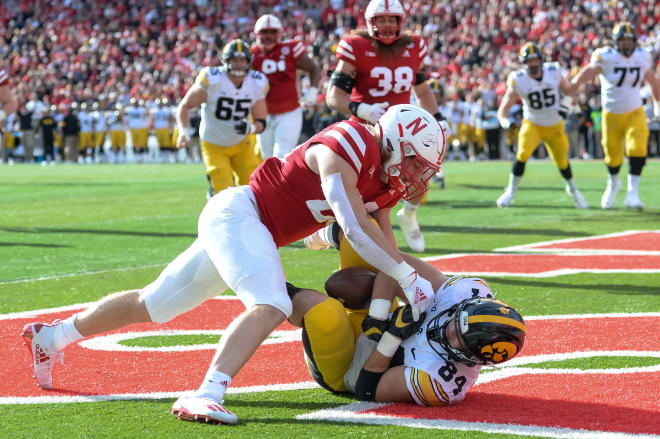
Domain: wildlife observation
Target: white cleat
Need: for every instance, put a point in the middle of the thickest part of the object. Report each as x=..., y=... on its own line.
x=315, y=241
x=411, y=230
x=505, y=199
x=39, y=341
x=632, y=201
x=578, y=198
x=202, y=409
x=609, y=196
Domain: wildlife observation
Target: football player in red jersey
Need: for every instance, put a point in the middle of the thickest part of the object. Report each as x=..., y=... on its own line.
x=341, y=174
x=378, y=67
x=279, y=60
x=8, y=103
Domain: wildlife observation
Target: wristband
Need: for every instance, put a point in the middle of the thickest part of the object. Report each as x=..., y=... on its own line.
x=402, y=273
x=388, y=344
x=380, y=308
x=353, y=107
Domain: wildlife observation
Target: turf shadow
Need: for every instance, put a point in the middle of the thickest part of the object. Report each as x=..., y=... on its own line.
x=40, y=230
x=29, y=244
x=601, y=288
x=500, y=231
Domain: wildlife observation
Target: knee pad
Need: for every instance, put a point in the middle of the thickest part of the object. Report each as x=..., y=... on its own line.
x=518, y=168
x=636, y=165
x=348, y=257
x=328, y=343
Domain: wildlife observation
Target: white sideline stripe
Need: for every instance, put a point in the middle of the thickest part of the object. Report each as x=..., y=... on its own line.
x=80, y=273
x=37, y=312
x=555, y=273
x=578, y=252
x=111, y=342
x=157, y=395
x=347, y=413
x=525, y=247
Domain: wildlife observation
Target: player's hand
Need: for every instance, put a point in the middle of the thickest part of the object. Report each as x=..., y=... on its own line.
x=311, y=96
x=656, y=109
x=245, y=128
x=183, y=140
x=374, y=328
x=505, y=124
x=401, y=324
x=371, y=113
x=419, y=293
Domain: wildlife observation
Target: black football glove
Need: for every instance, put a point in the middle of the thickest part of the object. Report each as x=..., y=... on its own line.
x=402, y=325
x=241, y=127
x=373, y=328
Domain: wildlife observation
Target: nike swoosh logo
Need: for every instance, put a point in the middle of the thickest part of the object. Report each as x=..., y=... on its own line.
x=373, y=331
x=399, y=323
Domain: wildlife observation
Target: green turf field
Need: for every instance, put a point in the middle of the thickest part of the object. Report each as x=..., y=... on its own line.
x=73, y=234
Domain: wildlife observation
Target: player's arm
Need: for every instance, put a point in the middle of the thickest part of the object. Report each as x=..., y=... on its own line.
x=308, y=65
x=566, y=89
x=259, y=116
x=195, y=96
x=654, y=84
x=8, y=101
x=424, y=95
x=509, y=99
x=382, y=217
x=586, y=74
x=342, y=82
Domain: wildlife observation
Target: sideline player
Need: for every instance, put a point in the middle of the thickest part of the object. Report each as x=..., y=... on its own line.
x=431, y=362
x=229, y=96
x=622, y=69
x=279, y=61
x=538, y=84
x=9, y=104
x=341, y=173
x=378, y=67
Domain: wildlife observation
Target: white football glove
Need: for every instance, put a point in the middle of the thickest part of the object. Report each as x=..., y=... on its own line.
x=3, y=115
x=656, y=109
x=371, y=113
x=183, y=140
x=505, y=124
x=417, y=290
x=311, y=96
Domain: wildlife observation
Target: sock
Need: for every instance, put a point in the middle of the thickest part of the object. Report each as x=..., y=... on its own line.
x=611, y=179
x=214, y=386
x=633, y=182
x=514, y=181
x=571, y=184
x=66, y=333
x=409, y=208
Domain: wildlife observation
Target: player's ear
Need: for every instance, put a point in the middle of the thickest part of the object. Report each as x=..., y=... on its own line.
x=386, y=150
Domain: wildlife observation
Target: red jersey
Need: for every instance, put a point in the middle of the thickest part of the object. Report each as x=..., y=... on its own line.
x=4, y=78
x=279, y=65
x=289, y=195
x=378, y=80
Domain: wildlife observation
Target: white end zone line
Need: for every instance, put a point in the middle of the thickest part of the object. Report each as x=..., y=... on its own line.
x=347, y=413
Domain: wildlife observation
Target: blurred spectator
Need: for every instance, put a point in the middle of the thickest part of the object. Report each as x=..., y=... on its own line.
x=654, y=129
x=48, y=127
x=597, y=132
x=70, y=134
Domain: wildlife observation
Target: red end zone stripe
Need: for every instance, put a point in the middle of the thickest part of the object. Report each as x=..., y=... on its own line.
x=649, y=241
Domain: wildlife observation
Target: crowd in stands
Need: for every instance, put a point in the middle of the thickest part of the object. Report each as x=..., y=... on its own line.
x=66, y=51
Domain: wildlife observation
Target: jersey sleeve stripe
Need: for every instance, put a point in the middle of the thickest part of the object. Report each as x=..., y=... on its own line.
x=357, y=138
x=429, y=388
x=347, y=147
x=418, y=396
x=346, y=46
x=298, y=46
x=423, y=52
x=299, y=51
x=341, y=51
x=4, y=78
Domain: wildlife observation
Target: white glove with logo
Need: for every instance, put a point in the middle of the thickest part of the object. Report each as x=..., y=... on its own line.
x=417, y=290
x=371, y=113
x=311, y=96
x=656, y=109
x=183, y=140
x=505, y=124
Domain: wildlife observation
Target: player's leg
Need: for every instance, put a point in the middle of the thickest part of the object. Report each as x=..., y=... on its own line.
x=406, y=217
x=558, y=146
x=184, y=284
x=637, y=136
x=529, y=138
x=266, y=139
x=245, y=255
x=245, y=161
x=287, y=132
x=218, y=167
x=613, y=147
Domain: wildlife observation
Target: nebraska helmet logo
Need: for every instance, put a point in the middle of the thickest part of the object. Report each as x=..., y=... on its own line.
x=416, y=124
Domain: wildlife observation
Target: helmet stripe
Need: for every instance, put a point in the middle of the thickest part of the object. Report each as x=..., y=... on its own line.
x=628, y=31
x=531, y=48
x=239, y=46
x=496, y=319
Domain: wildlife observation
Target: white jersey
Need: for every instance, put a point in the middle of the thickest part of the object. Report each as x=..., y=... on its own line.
x=226, y=105
x=85, y=119
x=432, y=379
x=540, y=98
x=99, y=121
x=161, y=117
x=137, y=117
x=115, y=121
x=622, y=78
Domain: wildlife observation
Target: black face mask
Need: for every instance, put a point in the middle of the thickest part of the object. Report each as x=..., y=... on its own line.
x=534, y=70
x=626, y=52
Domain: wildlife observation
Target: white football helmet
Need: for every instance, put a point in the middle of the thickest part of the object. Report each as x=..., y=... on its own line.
x=375, y=8
x=412, y=132
x=268, y=22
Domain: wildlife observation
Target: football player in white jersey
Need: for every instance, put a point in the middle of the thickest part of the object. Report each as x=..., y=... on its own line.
x=230, y=97
x=622, y=69
x=539, y=85
x=100, y=129
x=431, y=362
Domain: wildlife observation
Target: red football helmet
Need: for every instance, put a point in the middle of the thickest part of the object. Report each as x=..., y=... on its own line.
x=264, y=28
x=379, y=8
x=418, y=143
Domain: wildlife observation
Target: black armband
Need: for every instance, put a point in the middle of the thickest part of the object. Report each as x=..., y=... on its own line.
x=342, y=81
x=439, y=116
x=367, y=382
x=419, y=78
x=353, y=106
x=263, y=122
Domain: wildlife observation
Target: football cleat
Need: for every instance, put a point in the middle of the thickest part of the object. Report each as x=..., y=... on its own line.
x=505, y=199
x=609, y=196
x=39, y=341
x=632, y=201
x=578, y=198
x=411, y=230
x=202, y=409
x=315, y=241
